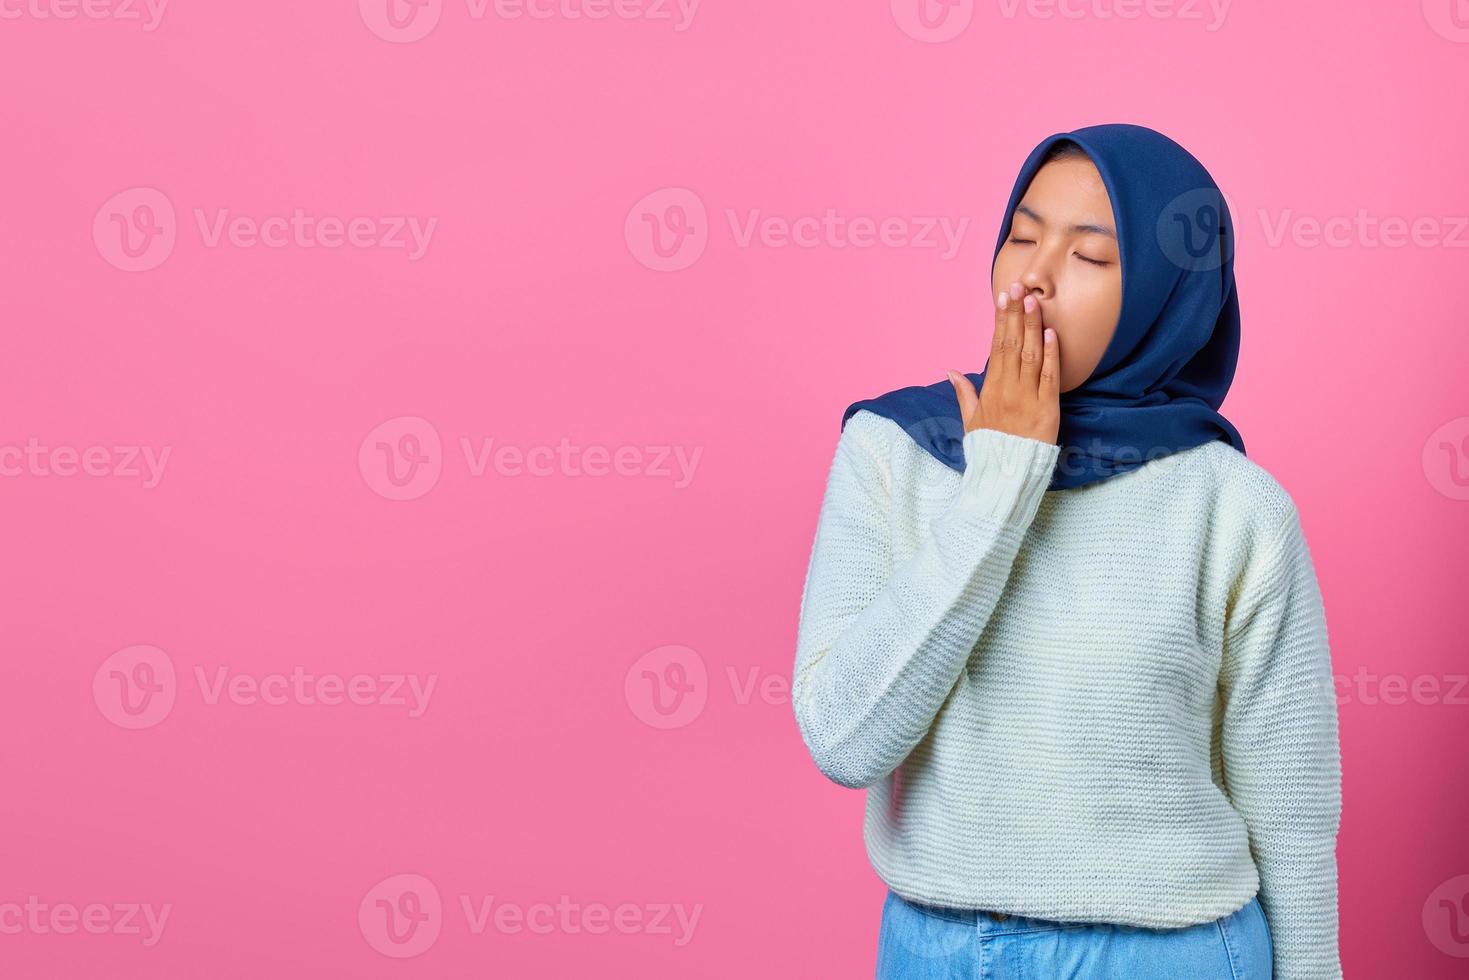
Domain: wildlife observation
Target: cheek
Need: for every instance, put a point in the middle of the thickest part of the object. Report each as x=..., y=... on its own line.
x=1085, y=323
x=1007, y=269
x=1090, y=311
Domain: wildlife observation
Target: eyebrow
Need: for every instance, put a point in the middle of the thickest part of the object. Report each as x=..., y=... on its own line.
x=1085, y=229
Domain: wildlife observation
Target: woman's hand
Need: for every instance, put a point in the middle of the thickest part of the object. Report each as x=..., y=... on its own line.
x=1022, y=385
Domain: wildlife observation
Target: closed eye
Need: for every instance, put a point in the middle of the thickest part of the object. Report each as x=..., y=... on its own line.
x=1031, y=241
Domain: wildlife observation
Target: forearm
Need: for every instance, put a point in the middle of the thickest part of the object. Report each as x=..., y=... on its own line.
x=880, y=647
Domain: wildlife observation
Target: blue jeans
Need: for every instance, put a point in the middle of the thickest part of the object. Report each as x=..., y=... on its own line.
x=926, y=942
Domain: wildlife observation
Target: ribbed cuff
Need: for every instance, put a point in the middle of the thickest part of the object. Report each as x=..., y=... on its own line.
x=1005, y=475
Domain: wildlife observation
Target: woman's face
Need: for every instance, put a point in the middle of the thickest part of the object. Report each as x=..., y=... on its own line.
x=1062, y=248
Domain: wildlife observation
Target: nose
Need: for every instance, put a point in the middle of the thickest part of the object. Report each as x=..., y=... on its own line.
x=1037, y=277
x=1034, y=288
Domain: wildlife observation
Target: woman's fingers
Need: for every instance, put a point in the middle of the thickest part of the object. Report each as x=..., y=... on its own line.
x=1030, y=344
x=968, y=397
x=1022, y=379
x=1050, y=379
x=1005, y=357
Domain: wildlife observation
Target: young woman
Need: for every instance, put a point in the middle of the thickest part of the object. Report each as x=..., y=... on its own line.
x=1064, y=633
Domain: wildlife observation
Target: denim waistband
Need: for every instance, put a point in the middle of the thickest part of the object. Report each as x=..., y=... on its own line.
x=1001, y=923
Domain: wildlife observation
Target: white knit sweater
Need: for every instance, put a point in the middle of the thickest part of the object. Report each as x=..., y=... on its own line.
x=1111, y=703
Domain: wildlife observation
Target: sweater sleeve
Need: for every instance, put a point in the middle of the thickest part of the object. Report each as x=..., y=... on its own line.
x=880, y=647
x=1280, y=752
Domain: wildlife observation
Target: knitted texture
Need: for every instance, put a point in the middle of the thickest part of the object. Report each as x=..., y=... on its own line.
x=1112, y=703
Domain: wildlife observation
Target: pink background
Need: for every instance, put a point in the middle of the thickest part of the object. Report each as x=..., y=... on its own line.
x=544, y=768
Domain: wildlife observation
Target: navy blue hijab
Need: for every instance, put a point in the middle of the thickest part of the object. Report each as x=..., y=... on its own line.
x=1159, y=385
